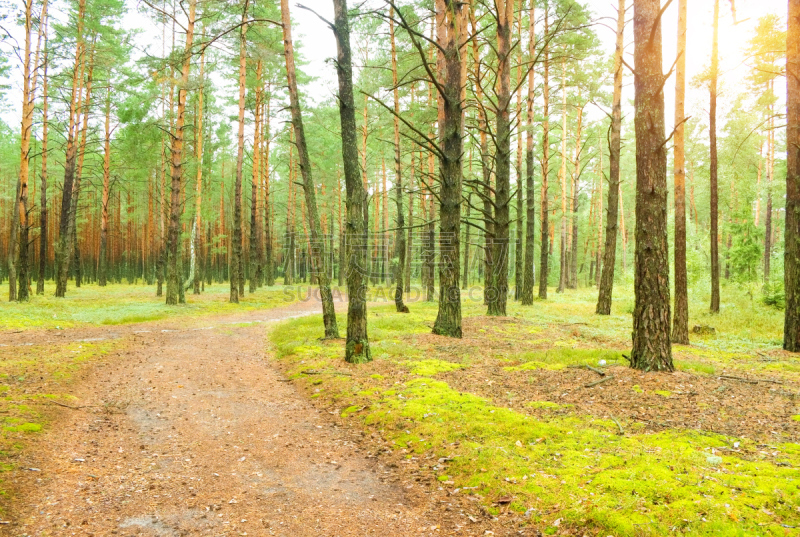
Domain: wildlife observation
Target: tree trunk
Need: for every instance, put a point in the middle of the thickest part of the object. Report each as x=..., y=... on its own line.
x=400, y=235
x=198, y=186
x=530, y=203
x=104, y=200
x=63, y=248
x=317, y=241
x=713, y=194
x=499, y=291
x=614, y=146
x=237, y=274
x=357, y=344
x=43, y=212
x=680, y=321
x=791, y=330
x=174, y=278
x=545, y=246
x=255, y=244
x=572, y=280
x=13, y=246
x=448, y=319
x=768, y=214
x=652, y=348
x=562, y=178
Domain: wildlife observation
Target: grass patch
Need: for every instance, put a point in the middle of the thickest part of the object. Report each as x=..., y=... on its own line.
x=123, y=304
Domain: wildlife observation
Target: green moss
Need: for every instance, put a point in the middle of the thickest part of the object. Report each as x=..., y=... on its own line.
x=560, y=357
x=663, y=393
x=429, y=368
x=796, y=417
x=637, y=388
x=25, y=428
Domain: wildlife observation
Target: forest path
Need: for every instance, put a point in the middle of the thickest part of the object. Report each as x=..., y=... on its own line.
x=192, y=432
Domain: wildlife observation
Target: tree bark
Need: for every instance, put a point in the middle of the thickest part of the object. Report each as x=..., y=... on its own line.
x=614, y=146
x=237, y=274
x=562, y=179
x=652, y=348
x=713, y=188
x=544, y=253
x=680, y=321
x=530, y=203
x=357, y=344
x=400, y=235
x=499, y=290
x=317, y=240
x=43, y=212
x=174, y=280
x=791, y=327
x=64, y=244
x=448, y=319
x=101, y=280
x=198, y=186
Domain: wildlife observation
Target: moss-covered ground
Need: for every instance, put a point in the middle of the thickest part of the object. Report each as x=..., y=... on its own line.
x=508, y=415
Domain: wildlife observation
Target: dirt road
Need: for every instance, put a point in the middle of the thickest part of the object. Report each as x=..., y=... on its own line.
x=190, y=431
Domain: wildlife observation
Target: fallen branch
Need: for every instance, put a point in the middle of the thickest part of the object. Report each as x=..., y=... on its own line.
x=740, y=379
x=69, y=406
x=598, y=371
x=615, y=420
x=595, y=383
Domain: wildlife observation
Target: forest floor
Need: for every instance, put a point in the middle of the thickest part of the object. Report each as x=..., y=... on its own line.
x=534, y=424
x=192, y=423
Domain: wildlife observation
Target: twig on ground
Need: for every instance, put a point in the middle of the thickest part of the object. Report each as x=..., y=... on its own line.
x=598, y=371
x=740, y=379
x=615, y=420
x=595, y=383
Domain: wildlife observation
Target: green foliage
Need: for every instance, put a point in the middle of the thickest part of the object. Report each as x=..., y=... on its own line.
x=746, y=250
x=774, y=294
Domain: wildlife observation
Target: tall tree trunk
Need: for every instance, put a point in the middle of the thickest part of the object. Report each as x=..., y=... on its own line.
x=562, y=178
x=544, y=252
x=791, y=327
x=237, y=274
x=713, y=194
x=317, y=241
x=768, y=214
x=198, y=186
x=530, y=203
x=505, y=19
x=269, y=263
x=255, y=248
x=680, y=321
x=614, y=146
x=652, y=348
x=43, y=212
x=400, y=235
x=174, y=277
x=572, y=280
x=104, y=200
x=63, y=248
x=520, y=219
x=13, y=247
x=448, y=319
x=357, y=344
